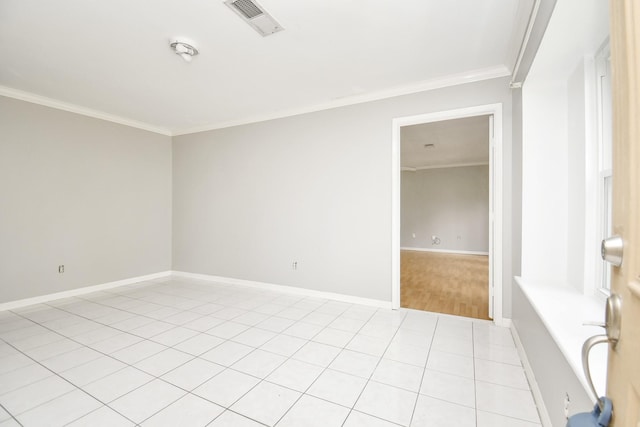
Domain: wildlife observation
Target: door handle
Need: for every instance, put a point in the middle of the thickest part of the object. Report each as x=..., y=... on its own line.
x=586, y=348
x=613, y=320
x=611, y=250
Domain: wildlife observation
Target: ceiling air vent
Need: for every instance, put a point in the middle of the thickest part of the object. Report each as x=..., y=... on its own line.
x=247, y=8
x=254, y=15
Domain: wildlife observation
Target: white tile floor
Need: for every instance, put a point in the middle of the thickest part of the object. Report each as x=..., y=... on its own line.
x=180, y=352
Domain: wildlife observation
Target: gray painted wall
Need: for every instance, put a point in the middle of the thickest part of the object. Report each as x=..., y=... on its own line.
x=314, y=188
x=516, y=191
x=247, y=201
x=577, y=176
x=451, y=203
x=551, y=369
x=89, y=194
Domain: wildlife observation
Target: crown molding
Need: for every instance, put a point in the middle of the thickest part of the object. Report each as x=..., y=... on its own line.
x=438, y=83
x=426, y=85
x=65, y=106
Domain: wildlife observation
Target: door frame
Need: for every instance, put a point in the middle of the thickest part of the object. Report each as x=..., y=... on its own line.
x=496, y=167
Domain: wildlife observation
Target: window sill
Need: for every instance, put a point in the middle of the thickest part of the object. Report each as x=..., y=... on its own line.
x=563, y=310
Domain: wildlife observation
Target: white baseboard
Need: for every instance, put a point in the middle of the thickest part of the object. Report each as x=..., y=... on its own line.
x=504, y=322
x=535, y=389
x=286, y=289
x=445, y=251
x=81, y=291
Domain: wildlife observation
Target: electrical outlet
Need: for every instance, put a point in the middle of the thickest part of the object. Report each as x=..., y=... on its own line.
x=294, y=265
x=61, y=268
x=413, y=235
x=567, y=402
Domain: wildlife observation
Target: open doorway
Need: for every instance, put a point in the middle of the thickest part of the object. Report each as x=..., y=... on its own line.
x=492, y=115
x=444, y=219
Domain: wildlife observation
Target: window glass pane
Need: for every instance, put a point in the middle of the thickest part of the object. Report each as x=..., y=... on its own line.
x=607, y=203
x=605, y=143
x=605, y=115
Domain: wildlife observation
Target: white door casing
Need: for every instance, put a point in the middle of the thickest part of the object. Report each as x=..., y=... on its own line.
x=496, y=167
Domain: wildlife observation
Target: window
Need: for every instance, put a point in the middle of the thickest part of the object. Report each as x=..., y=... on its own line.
x=605, y=161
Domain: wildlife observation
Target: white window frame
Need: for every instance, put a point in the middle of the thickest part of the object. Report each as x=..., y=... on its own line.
x=602, y=71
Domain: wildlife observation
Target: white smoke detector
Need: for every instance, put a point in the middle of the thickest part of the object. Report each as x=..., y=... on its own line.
x=186, y=50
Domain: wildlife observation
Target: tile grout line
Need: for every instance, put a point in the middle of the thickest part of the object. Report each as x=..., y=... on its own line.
x=82, y=345
x=309, y=340
x=327, y=367
x=63, y=394
x=374, y=369
x=475, y=383
x=264, y=298
x=424, y=371
x=176, y=326
x=154, y=377
x=123, y=331
x=187, y=392
x=129, y=365
x=254, y=349
x=287, y=359
x=10, y=414
x=226, y=368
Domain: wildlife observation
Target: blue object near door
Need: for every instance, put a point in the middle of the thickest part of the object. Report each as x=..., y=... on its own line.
x=599, y=417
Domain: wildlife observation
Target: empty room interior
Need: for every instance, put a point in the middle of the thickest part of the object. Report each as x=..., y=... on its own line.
x=316, y=213
x=445, y=208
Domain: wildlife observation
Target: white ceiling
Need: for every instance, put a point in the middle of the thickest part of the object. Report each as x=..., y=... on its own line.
x=112, y=57
x=456, y=142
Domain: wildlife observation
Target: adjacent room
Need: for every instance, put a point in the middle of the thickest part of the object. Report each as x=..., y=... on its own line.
x=445, y=209
x=319, y=213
